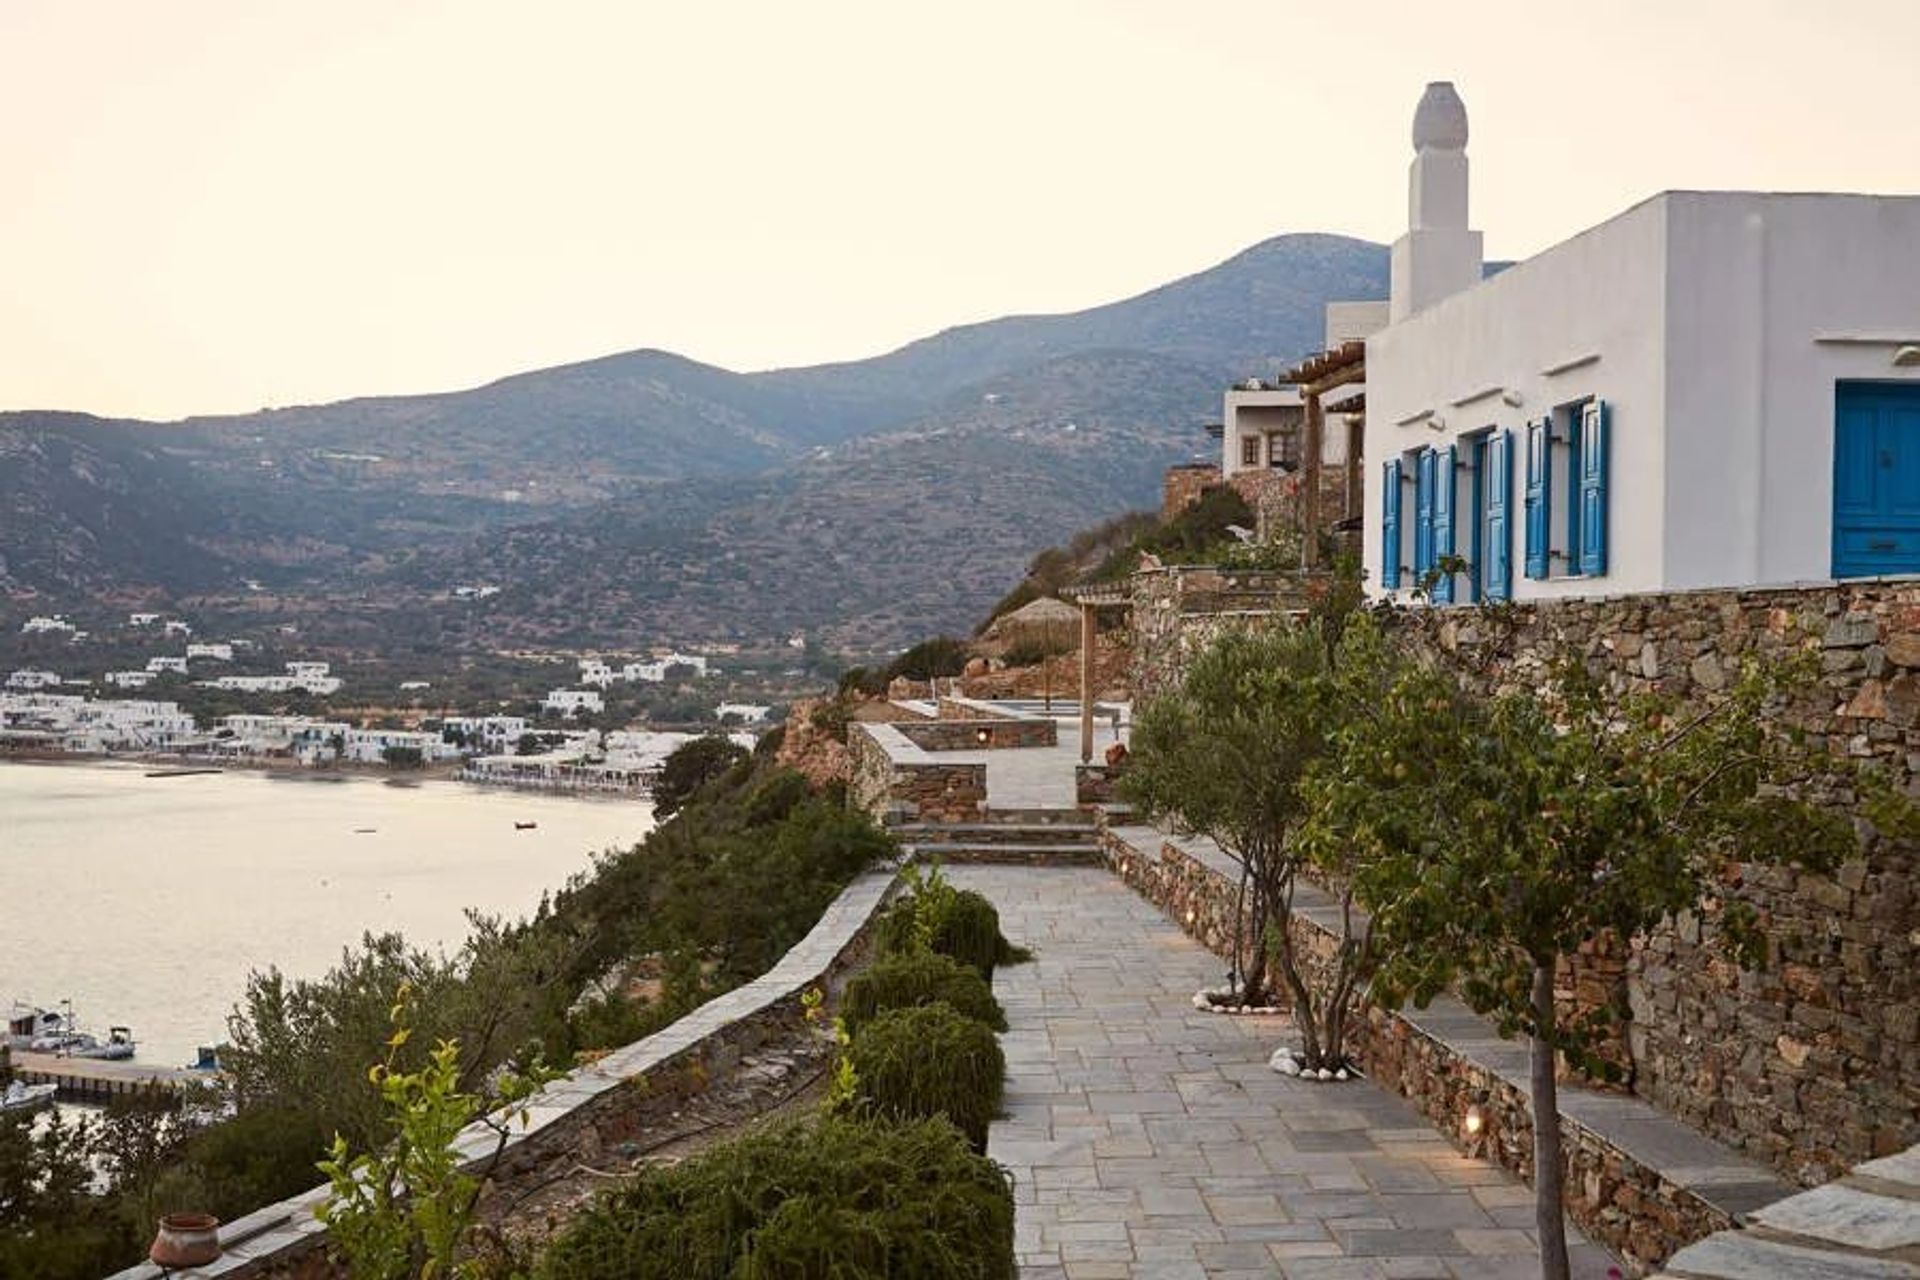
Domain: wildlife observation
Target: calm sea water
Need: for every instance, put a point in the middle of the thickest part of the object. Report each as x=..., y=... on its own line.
x=148, y=900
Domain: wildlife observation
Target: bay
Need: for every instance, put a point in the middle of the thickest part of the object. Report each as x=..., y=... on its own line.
x=146, y=901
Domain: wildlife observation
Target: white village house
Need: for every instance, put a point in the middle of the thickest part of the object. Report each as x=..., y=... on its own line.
x=1711, y=389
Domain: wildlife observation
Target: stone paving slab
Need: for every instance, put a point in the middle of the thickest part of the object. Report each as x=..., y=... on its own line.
x=1149, y=1139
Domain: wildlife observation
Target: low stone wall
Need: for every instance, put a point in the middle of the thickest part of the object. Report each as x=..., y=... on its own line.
x=592, y=1109
x=1812, y=1064
x=1093, y=784
x=1179, y=609
x=894, y=779
x=1183, y=486
x=979, y=734
x=1634, y=1209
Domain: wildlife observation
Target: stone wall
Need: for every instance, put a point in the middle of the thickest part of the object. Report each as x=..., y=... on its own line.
x=1177, y=610
x=593, y=1109
x=1183, y=486
x=894, y=779
x=980, y=733
x=1812, y=1065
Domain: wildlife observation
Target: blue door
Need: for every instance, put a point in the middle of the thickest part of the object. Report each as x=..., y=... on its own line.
x=1876, y=479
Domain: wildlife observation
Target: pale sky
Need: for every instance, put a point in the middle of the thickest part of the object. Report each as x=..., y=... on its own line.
x=216, y=206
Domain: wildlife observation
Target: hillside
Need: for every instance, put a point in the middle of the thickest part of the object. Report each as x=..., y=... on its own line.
x=648, y=493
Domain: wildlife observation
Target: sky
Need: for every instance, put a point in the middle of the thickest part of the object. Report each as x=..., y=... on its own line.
x=221, y=205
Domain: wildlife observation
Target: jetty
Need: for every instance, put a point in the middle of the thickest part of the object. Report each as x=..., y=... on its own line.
x=95, y=1079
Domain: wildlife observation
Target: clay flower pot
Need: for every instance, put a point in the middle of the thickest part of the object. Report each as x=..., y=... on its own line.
x=186, y=1240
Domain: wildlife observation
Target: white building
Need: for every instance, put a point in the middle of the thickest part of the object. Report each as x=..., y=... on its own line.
x=175, y=627
x=142, y=619
x=490, y=734
x=166, y=665
x=573, y=702
x=41, y=624
x=370, y=746
x=596, y=674
x=83, y=725
x=1710, y=389
x=746, y=712
x=1262, y=423
x=30, y=679
x=218, y=651
x=308, y=677
x=129, y=679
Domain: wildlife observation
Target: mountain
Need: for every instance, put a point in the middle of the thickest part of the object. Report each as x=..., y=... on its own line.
x=649, y=494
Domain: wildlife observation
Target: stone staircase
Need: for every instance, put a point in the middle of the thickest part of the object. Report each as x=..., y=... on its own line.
x=1866, y=1226
x=1031, y=837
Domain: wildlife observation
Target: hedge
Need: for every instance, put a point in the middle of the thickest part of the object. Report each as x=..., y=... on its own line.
x=964, y=925
x=849, y=1197
x=908, y=979
x=912, y=1064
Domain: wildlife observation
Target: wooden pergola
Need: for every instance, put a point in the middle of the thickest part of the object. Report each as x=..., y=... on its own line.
x=1091, y=600
x=1316, y=376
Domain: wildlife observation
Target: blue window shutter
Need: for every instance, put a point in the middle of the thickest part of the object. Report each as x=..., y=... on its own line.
x=1496, y=578
x=1422, y=514
x=1593, y=488
x=1443, y=468
x=1539, y=495
x=1390, y=525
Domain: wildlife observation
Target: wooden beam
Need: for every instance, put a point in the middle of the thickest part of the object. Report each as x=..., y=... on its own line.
x=1086, y=682
x=1356, y=442
x=1310, y=501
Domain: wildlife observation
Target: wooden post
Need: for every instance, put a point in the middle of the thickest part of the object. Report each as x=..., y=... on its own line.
x=1356, y=442
x=1086, y=682
x=1310, y=500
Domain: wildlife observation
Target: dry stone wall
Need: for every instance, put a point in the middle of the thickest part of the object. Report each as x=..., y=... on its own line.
x=1812, y=1065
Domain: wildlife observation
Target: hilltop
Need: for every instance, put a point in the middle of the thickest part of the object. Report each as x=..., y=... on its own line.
x=649, y=494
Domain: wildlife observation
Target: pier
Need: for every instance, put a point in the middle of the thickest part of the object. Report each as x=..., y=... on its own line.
x=98, y=1080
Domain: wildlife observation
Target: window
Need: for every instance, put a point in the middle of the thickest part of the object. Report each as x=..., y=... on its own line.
x=1570, y=542
x=1249, y=451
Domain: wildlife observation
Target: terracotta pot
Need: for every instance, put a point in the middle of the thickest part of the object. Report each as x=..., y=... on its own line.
x=186, y=1240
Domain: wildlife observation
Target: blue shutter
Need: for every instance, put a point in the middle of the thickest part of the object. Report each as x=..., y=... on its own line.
x=1390, y=525
x=1496, y=576
x=1593, y=488
x=1422, y=515
x=1443, y=467
x=1539, y=495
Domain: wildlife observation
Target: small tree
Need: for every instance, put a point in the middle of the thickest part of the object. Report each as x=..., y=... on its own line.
x=691, y=766
x=1493, y=837
x=1226, y=755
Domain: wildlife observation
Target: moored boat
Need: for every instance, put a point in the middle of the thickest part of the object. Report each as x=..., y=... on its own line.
x=27, y=1097
x=117, y=1047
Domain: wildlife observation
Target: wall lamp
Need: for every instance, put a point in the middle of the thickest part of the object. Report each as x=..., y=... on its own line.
x=983, y=736
x=1907, y=357
x=1512, y=399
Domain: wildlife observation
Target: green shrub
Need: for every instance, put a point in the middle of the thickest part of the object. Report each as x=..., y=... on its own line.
x=844, y=1196
x=908, y=979
x=957, y=923
x=911, y=1064
x=940, y=656
x=1031, y=651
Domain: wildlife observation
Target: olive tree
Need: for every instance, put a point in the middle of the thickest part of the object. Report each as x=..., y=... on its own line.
x=1226, y=755
x=1492, y=837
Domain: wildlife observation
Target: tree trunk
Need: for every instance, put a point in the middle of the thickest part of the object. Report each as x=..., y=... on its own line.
x=1548, y=1172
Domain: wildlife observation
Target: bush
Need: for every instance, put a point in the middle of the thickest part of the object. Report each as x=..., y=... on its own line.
x=912, y=1064
x=854, y=1198
x=1031, y=651
x=940, y=656
x=691, y=766
x=910, y=979
x=957, y=923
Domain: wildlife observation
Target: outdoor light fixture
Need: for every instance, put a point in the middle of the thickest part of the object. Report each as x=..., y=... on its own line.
x=983, y=736
x=1511, y=398
x=1907, y=357
x=1191, y=915
x=1475, y=1121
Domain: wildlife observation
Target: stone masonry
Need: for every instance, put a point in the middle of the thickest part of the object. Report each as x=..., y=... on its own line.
x=1813, y=1064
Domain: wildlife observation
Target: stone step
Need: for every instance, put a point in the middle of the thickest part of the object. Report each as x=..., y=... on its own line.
x=1051, y=855
x=994, y=833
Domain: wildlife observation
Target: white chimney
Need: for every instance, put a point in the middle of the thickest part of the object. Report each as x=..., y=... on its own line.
x=1439, y=255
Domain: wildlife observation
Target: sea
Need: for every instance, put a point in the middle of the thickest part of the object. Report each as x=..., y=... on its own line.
x=147, y=901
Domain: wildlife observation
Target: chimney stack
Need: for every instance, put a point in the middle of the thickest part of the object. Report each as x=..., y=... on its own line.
x=1439, y=254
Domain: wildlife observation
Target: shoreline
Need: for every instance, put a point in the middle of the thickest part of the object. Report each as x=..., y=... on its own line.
x=294, y=772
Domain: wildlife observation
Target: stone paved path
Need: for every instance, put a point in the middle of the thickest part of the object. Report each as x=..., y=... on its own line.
x=1149, y=1139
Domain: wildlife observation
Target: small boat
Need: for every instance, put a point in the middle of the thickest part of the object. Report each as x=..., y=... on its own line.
x=181, y=773
x=66, y=1040
x=525, y=826
x=117, y=1047
x=27, y=1024
x=366, y=831
x=27, y=1097
x=206, y=1059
